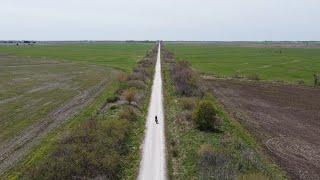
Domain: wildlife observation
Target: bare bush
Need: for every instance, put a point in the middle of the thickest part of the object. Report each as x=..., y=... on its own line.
x=140, y=96
x=130, y=95
x=137, y=76
x=168, y=56
x=186, y=81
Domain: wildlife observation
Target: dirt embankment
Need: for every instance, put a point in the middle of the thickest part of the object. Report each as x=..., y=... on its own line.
x=284, y=118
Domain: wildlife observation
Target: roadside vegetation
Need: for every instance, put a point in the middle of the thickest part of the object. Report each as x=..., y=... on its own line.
x=203, y=141
x=103, y=140
x=270, y=63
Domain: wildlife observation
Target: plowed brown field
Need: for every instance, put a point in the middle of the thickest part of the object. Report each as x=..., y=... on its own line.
x=284, y=118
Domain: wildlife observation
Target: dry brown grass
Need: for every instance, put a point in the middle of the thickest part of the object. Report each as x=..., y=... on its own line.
x=130, y=95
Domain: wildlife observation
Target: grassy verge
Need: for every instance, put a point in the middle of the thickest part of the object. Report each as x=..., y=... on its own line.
x=228, y=153
x=103, y=141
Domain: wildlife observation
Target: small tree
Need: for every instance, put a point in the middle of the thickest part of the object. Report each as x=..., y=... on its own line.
x=205, y=115
x=130, y=95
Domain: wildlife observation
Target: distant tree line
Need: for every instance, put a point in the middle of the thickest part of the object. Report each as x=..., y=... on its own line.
x=19, y=42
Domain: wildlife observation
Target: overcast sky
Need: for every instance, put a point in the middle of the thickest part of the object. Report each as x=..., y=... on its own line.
x=160, y=19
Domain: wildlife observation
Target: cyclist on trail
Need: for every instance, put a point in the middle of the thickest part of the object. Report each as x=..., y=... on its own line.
x=156, y=119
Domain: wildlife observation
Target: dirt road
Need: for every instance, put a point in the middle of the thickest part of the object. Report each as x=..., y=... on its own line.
x=153, y=164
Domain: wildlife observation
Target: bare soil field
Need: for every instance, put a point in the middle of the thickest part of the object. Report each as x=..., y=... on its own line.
x=38, y=95
x=284, y=118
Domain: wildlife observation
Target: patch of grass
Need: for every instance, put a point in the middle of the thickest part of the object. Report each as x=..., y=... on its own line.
x=291, y=65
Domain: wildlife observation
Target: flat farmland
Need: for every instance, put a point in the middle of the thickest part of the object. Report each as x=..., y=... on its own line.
x=290, y=65
x=32, y=88
x=117, y=55
x=42, y=87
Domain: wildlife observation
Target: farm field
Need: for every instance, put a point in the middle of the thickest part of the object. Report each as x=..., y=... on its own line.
x=117, y=55
x=284, y=118
x=32, y=88
x=41, y=87
x=292, y=65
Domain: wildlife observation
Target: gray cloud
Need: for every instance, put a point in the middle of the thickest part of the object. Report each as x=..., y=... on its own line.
x=160, y=19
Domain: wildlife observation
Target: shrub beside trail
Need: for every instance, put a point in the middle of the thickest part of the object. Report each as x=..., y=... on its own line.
x=186, y=81
x=205, y=115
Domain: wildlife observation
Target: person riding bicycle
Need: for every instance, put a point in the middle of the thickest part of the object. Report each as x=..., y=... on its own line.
x=156, y=119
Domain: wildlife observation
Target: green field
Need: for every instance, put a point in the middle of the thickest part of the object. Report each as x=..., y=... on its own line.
x=32, y=88
x=118, y=55
x=33, y=84
x=59, y=85
x=281, y=64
